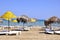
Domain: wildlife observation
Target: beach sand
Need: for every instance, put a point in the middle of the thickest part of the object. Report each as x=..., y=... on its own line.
x=36, y=33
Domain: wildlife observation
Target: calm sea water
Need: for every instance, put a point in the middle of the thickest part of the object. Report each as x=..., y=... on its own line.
x=37, y=23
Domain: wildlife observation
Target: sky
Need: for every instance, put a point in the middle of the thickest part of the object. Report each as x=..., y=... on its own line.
x=40, y=9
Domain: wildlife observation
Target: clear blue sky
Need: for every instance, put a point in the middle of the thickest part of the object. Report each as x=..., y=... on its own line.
x=40, y=9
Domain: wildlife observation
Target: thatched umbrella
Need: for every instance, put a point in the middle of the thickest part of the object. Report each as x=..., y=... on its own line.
x=51, y=20
x=24, y=19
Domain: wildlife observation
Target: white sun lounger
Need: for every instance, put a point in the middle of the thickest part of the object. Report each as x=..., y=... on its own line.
x=11, y=32
x=49, y=31
x=3, y=32
x=57, y=32
x=15, y=32
x=26, y=28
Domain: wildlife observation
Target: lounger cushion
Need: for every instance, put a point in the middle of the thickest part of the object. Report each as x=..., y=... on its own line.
x=58, y=32
x=11, y=32
x=49, y=31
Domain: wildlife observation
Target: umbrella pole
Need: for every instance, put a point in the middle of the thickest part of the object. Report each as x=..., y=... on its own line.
x=50, y=27
x=8, y=24
x=23, y=25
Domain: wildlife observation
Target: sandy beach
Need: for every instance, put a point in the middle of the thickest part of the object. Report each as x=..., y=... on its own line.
x=36, y=33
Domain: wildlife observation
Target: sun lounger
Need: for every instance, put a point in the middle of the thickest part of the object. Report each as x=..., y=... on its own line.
x=15, y=32
x=3, y=32
x=27, y=28
x=48, y=31
x=11, y=32
x=57, y=32
x=22, y=29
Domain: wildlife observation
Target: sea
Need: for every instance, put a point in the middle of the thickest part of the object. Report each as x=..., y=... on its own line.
x=39, y=22
x=10, y=23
